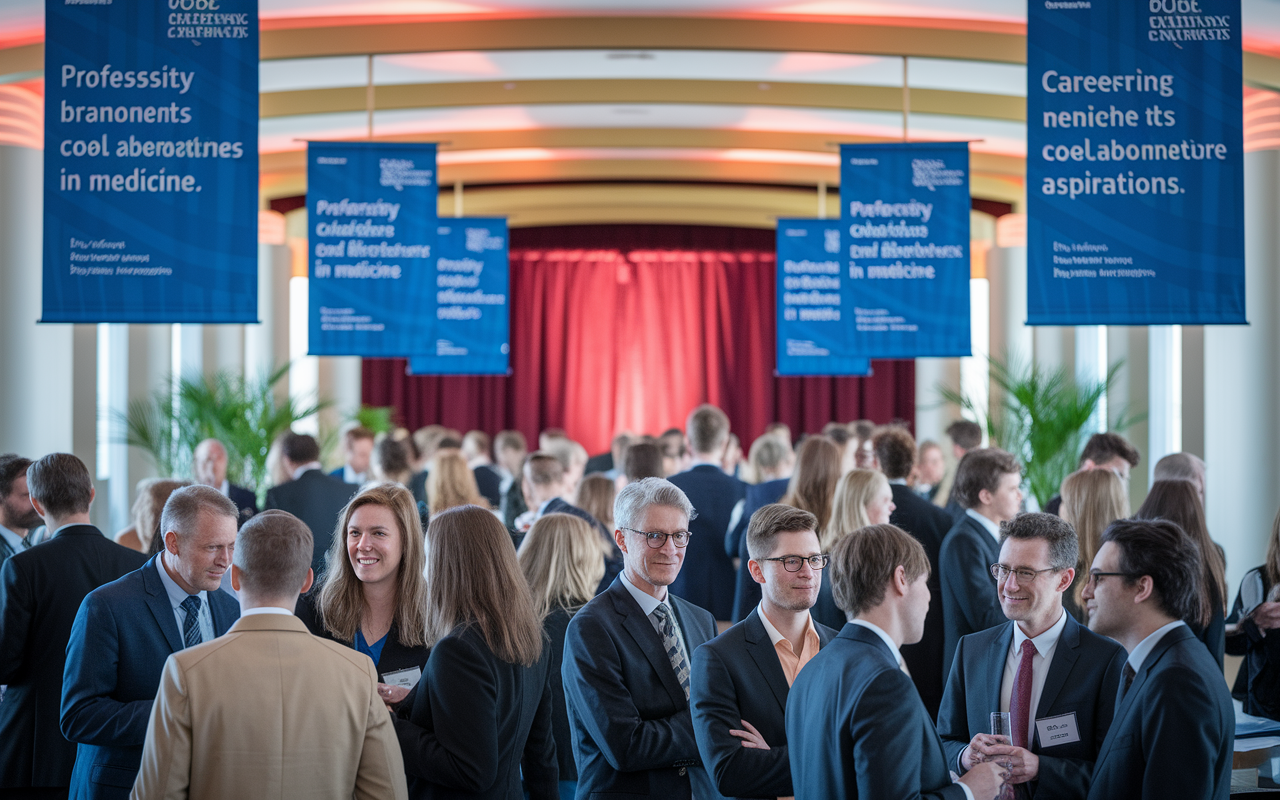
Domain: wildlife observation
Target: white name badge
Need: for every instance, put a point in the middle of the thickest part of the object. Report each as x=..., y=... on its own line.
x=407, y=678
x=1058, y=730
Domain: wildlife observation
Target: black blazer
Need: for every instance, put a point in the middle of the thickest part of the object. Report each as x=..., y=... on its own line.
x=746, y=592
x=632, y=731
x=40, y=592
x=612, y=563
x=1082, y=680
x=1256, y=685
x=856, y=727
x=474, y=721
x=970, y=602
x=489, y=482
x=737, y=676
x=707, y=577
x=929, y=525
x=316, y=499
x=1174, y=730
x=394, y=656
x=555, y=626
x=246, y=502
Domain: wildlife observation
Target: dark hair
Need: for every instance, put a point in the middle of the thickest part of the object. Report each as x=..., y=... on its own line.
x=981, y=469
x=1179, y=502
x=449, y=443
x=769, y=521
x=707, y=427
x=510, y=440
x=543, y=468
x=837, y=433
x=1160, y=549
x=393, y=459
x=895, y=450
x=300, y=448
x=273, y=553
x=12, y=466
x=1064, y=548
x=1103, y=447
x=643, y=460
x=60, y=482
x=965, y=433
x=863, y=564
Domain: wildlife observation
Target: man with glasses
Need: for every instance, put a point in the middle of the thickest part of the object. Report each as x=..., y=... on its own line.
x=1174, y=728
x=1055, y=677
x=626, y=660
x=741, y=678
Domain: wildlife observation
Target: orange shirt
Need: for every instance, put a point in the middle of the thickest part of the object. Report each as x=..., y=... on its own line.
x=791, y=661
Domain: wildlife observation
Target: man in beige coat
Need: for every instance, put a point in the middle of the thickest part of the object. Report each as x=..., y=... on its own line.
x=269, y=711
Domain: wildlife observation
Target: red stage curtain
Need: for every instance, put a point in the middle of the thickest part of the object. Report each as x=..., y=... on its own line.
x=632, y=338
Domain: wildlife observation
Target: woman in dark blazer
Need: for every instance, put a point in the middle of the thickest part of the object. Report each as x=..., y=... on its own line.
x=482, y=712
x=1256, y=617
x=373, y=597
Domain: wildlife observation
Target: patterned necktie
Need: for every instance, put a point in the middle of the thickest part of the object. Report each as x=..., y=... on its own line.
x=1020, y=701
x=191, y=625
x=1129, y=675
x=674, y=647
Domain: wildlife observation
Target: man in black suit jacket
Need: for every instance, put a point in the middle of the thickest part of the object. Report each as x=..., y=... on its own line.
x=741, y=678
x=708, y=582
x=855, y=726
x=1059, y=731
x=211, y=470
x=312, y=496
x=626, y=661
x=40, y=591
x=1174, y=728
x=986, y=486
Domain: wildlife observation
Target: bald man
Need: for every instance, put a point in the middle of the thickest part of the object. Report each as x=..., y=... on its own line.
x=211, y=470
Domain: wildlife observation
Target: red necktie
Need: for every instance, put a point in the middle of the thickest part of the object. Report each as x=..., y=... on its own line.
x=1020, y=702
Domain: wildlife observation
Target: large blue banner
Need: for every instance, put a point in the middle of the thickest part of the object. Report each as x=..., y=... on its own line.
x=905, y=208
x=371, y=212
x=151, y=162
x=815, y=301
x=1134, y=163
x=472, y=307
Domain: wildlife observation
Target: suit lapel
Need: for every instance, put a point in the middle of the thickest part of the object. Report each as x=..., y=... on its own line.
x=158, y=602
x=765, y=656
x=1127, y=704
x=1064, y=659
x=646, y=636
x=219, y=613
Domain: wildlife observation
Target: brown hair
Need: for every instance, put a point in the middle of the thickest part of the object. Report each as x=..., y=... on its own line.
x=451, y=483
x=643, y=460
x=1103, y=447
x=895, y=450
x=60, y=482
x=544, y=468
x=473, y=579
x=1271, y=570
x=273, y=553
x=560, y=558
x=595, y=496
x=966, y=434
x=148, y=506
x=707, y=428
x=771, y=520
x=1162, y=550
x=981, y=469
x=1179, y=502
x=391, y=460
x=1092, y=499
x=357, y=432
x=856, y=489
x=813, y=484
x=863, y=564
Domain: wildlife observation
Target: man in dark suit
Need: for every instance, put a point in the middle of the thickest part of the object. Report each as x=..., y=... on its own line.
x=40, y=590
x=708, y=582
x=626, y=660
x=855, y=726
x=741, y=678
x=475, y=449
x=1056, y=678
x=312, y=496
x=126, y=629
x=1174, y=728
x=357, y=455
x=17, y=516
x=986, y=486
x=895, y=451
x=510, y=449
x=965, y=435
x=211, y=470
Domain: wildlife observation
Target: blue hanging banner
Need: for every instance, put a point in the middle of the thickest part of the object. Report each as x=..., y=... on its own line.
x=1135, y=173
x=905, y=209
x=472, y=305
x=815, y=301
x=150, y=162
x=371, y=212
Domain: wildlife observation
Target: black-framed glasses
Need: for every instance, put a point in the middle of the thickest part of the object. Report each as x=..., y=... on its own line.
x=1092, y=580
x=1000, y=572
x=794, y=563
x=658, y=539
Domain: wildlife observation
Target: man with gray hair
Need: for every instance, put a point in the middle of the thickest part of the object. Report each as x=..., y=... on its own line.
x=1182, y=467
x=126, y=629
x=627, y=659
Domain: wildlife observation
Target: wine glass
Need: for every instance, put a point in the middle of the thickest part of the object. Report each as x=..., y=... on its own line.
x=1002, y=726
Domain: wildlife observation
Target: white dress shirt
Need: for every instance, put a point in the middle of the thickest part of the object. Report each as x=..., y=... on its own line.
x=249, y=612
x=204, y=619
x=993, y=528
x=1046, y=645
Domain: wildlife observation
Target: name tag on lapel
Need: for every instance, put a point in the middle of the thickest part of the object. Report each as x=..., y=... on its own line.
x=1058, y=730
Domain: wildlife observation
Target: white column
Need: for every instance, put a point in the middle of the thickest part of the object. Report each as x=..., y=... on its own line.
x=1011, y=339
x=1091, y=367
x=1128, y=398
x=975, y=371
x=933, y=414
x=1164, y=404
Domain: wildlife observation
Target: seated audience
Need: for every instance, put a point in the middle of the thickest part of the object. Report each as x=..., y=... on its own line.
x=310, y=495
x=18, y=518
x=1092, y=499
x=210, y=464
x=1256, y=614
x=1104, y=451
x=451, y=483
x=1182, y=467
x=595, y=496
x=357, y=455
x=144, y=535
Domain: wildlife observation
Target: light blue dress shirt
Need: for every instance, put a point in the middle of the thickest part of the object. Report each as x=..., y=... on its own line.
x=176, y=595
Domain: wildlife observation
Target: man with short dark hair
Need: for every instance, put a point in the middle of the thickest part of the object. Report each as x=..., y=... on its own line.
x=312, y=496
x=510, y=448
x=642, y=460
x=211, y=470
x=126, y=629
x=965, y=435
x=1057, y=679
x=1103, y=451
x=17, y=516
x=40, y=591
x=357, y=455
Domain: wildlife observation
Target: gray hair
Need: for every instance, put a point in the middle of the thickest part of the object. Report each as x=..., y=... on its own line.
x=1180, y=467
x=633, y=502
x=182, y=510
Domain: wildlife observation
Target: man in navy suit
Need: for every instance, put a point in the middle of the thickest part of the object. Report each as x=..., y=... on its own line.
x=855, y=726
x=775, y=459
x=741, y=678
x=357, y=455
x=1056, y=678
x=986, y=487
x=126, y=629
x=1174, y=728
x=708, y=582
x=626, y=660
x=312, y=496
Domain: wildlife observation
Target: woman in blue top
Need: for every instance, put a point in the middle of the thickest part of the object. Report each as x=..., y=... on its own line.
x=373, y=595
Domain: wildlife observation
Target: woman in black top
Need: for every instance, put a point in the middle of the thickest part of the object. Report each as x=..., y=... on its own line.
x=1257, y=616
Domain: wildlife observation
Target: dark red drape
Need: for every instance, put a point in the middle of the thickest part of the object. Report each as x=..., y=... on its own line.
x=628, y=328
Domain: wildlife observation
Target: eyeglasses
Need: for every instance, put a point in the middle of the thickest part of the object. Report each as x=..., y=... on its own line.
x=658, y=539
x=1000, y=572
x=794, y=563
x=1092, y=580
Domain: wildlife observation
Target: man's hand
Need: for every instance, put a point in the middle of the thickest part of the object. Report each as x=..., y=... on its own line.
x=1023, y=764
x=1266, y=616
x=980, y=749
x=984, y=780
x=750, y=737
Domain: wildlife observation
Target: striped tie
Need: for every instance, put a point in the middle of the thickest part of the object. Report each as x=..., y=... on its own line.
x=191, y=625
x=674, y=647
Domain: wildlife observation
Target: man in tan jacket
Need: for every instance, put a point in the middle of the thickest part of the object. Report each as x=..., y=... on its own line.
x=268, y=710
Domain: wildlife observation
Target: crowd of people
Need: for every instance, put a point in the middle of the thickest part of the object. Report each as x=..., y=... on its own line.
x=449, y=616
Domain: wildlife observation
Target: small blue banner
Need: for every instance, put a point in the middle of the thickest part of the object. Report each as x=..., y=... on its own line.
x=472, y=304
x=815, y=301
x=371, y=212
x=905, y=209
x=150, y=162
x=1135, y=172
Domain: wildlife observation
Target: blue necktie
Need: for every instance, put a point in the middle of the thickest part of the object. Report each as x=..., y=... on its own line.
x=191, y=625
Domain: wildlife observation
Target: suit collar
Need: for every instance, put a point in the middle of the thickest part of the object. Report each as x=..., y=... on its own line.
x=75, y=529
x=765, y=656
x=863, y=634
x=269, y=622
x=641, y=630
x=1125, y=704
x=995, y=664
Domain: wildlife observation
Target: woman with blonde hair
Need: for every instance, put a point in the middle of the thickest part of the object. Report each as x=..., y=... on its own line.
x=373, y=598
x=144, y=534
x=483, y=708
x=1092, y=499
x=560, y=557
x=451, y=483
x=863, y=498
x=595, y=496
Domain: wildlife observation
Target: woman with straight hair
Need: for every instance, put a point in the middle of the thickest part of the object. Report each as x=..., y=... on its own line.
x=1179, y=502
x=595, y=496
x=863, y=498
x=560, y=558
x=1256, y=614
x=374, y=597
x=451, y=484
x=482, y=712
x=1092, y=499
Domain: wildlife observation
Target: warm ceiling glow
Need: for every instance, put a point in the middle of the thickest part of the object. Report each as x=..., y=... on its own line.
x=462, y=63
x=367, y=8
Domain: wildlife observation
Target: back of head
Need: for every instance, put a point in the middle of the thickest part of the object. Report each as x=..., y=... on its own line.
x=1064, y=549
x=895, y=450
x=391, y=460
x=560, y=558
x=1092, y=499
x=643, y=460
x=981, y=469
x=1159, y=548
x=300, y=448
x=475, y=444
x=780, y=429
x=451, y=483
x=186, y=503
x=1180, y=467
x=544, y=469
x=510, y=440
x=813, y=484
x=855, y=491
x=966, y=434
x=863, y=565
x=862, y=429
x=633, y=502
x=769, y=521
x=595, y=496
x=563, y=449
x=60, y=482
x=273, y=553
x=1104, y=447
x=427, y=439
x=1179, y=502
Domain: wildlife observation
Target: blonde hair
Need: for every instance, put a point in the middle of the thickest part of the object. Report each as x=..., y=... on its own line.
x=855, y=491
x=451, y=483
x=595, y=496
x=1092, y=499
x=148, y=507
x=341, y=603
x=561, y=560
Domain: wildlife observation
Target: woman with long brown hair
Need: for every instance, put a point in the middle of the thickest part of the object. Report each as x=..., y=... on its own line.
x=483, y=708
x=1256, y=614
x=1092, y=499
